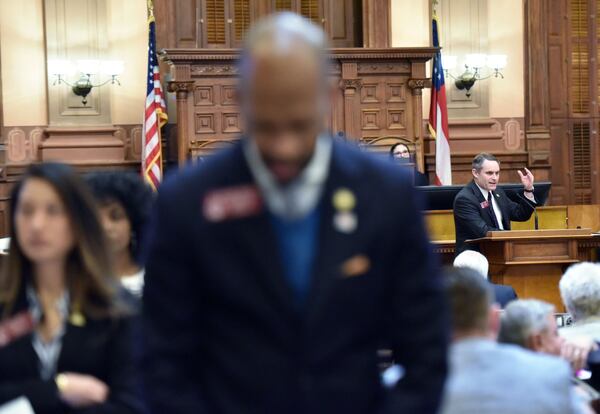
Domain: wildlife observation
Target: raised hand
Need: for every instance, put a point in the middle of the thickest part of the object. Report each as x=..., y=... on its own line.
x=526, y=179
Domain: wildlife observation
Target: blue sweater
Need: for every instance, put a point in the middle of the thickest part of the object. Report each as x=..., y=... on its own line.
x=297, y=240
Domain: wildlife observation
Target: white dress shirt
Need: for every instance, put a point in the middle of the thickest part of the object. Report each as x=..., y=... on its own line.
x=299, y=197
x=497, y=210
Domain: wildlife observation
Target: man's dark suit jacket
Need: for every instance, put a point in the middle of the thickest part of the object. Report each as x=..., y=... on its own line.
x=473, y=221
x=503, y=294
x=101, y=348
x=222, y=332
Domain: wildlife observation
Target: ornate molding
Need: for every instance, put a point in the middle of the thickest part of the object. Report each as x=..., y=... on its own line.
x=216, y=69
x=180, y=86
x=22, y=144
x=350, y=84
x=419, y=83
x=386, y=68
x=181, y=56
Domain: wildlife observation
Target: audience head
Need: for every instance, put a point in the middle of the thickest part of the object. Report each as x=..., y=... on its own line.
x=400, y=151
x=54, y=222
x=473, y=260
x=124, y=204
x=284, y=92
x=486, y=171
x=580, y=290
x=531, y=324
x=473, y=313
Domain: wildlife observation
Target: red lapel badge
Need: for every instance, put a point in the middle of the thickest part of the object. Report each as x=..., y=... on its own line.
x=19, y=325
x=484, y=204
x=232, y=203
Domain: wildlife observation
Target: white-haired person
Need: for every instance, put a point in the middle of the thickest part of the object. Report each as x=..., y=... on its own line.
x=473, y=260
x=580, y=292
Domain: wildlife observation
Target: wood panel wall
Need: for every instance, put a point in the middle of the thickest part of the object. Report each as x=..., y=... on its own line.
x=562, y=92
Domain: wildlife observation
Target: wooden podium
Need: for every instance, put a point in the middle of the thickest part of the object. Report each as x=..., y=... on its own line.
x=532, y=261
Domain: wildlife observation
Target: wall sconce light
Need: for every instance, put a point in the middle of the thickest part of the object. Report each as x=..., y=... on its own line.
x=474, y=64
x=61, y=69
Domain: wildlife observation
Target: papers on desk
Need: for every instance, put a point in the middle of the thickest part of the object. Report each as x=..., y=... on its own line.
x=19, y=406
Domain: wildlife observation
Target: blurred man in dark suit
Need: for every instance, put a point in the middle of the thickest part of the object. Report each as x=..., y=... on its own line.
x=481, y=207
x=277, y=268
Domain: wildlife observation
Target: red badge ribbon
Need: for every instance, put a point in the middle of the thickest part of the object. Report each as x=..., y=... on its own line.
x=14, y=328
x=232, y=203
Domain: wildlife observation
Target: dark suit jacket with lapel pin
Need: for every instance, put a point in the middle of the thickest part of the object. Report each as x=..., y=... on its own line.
x=100, y=348
x=472, y=220
x=223, y=335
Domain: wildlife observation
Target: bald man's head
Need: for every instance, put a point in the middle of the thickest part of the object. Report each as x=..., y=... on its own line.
x=284, y=92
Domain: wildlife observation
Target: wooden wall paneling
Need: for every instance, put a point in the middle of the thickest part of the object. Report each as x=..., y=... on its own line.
x=376, y=23
x=560, y=150
x=165, y=16
x=353, y=119
x=537, y=87
x=584, y=217
x=378, y=95
x=336, y=117
x=343, y=22
x=187, y=24
x=561, y=177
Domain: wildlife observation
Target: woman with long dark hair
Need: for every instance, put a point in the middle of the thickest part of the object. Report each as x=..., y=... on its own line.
x=65, y=330
x=124, y=203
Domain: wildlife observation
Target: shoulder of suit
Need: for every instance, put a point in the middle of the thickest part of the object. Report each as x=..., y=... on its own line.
x=536, y=364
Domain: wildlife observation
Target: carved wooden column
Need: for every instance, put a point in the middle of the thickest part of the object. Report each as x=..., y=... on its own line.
x=416, y=86
x=182, y=90
x=350, y=84
x=537, y=110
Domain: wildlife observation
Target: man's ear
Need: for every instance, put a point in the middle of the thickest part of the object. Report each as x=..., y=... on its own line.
x=494, y=320
x=535, y=342
x=474, y=172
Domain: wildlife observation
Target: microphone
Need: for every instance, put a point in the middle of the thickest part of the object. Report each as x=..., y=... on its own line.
x=535, y=213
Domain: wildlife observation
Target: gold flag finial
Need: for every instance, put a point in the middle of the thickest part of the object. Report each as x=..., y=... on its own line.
x=434, y=4
x=150, y=8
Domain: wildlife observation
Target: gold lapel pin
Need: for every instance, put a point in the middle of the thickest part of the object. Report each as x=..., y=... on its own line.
x=77, y=319
x=344, y=220
x=344, y=200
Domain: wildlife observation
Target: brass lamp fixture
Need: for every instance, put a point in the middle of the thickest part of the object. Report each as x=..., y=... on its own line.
x=474, y=64
x=61, y=69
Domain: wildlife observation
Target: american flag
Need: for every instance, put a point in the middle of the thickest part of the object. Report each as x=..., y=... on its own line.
x=438, y=117
x=155, y=115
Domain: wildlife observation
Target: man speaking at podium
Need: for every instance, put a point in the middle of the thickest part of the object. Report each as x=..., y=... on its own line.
x=481, y=207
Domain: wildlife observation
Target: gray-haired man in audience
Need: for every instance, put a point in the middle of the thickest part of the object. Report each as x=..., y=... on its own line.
x=580, y=291
x=531, y=324
x=487, y=377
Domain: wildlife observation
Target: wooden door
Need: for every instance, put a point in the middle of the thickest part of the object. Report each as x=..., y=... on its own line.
x=342, y=22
